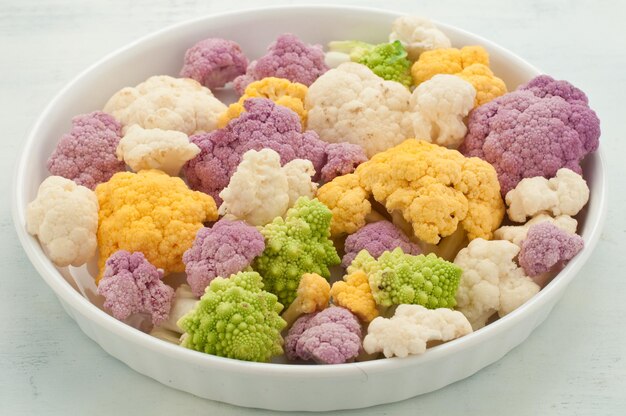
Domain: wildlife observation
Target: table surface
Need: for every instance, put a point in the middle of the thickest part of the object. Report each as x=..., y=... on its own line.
x=574, y=363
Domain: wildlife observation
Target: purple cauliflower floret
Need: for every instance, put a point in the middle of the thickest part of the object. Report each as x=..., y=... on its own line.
x=332, y=336
x=546, y=246
x=543, y=126
x=377, y=238
x=131, y=284
x=287, y=57
x=86, y=154
x=214, y=62
x=226, y=249
x=242, y=81
x=342, y=159
x=263, y=125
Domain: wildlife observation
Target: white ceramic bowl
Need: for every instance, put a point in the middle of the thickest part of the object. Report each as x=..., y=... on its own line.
x=274, y=386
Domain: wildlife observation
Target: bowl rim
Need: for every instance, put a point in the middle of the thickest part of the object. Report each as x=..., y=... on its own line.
x=68, y=294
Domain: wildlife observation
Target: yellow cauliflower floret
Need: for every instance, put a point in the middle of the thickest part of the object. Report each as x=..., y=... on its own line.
x=470, y=63
x=487, y=85
x=153, y=213
x=281, y=91
x=354, y=294
x=434, y=189
x=313, y=294
x=347, y=201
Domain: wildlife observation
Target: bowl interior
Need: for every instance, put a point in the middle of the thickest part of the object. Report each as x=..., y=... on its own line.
x=162, y=53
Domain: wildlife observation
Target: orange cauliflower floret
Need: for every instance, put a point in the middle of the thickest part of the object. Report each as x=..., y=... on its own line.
x=434, y=189
x=470, y=63
x=313, y=295
x=281, y=91
x=348, y=202
x=354, y=294
x=153, y=213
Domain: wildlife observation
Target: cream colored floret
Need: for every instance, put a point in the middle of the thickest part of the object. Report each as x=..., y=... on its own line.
x=351, y=104
x=417, y=34
x=64, y=216
x=167, y=103
x=565, y=194
x=438, y=107
x=261, y=190
x=166, y=150
x=411, y=328
x=491, y=281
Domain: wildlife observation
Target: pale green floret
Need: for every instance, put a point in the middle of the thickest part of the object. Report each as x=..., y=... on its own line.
x=235, y=318
x=397, y=278
x=387, y=60
x=294, y=246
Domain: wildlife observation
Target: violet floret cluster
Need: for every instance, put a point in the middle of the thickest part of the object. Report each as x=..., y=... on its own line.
x=131, y=284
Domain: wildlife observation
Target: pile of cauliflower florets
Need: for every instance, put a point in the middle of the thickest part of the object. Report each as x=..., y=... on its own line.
x=392, y=165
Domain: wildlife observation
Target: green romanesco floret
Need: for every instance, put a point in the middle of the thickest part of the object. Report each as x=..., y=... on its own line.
x=387, y=60
x=296, y=245
x=397, y=278
x=235, y=318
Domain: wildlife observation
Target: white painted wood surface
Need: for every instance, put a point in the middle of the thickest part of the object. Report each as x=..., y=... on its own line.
x=575, y=363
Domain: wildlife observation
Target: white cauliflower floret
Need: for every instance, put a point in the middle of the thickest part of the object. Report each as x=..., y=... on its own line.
x=438, y=108
x=183, y=302
x=411, y=327
x=261, y=190
x=565, y=194
x=517, y=233
x=351, y=104
x=167, y=103
x=491, y=281
x=299, y=173
x=333, y=59
x=417, y=35
x=166, y=150
x=64, y=216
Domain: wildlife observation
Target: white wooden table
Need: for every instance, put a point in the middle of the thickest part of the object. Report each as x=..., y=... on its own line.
x=575, y=363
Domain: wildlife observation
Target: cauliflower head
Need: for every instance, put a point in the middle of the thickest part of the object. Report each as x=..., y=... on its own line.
x=351, y=104
x=331, y=336
x=235, y=318
x=264, y=125
x=411, y=328
x=296, y=245
x=491, y=281
x=132, y=285
x=261, y=190
x=439, y=106
x=354, y=293
x=281, y=91
x=434, y=189
x=471, y=63
x=64, y=217
x=547, y=246
x=153, y=213
x=541, y=127
x=87, y=153
x=287, y=57
x=167, y=103
x=224, y=249
x=517, y=233
x=565, y=194
x=417, y=35
x=165, y=150
x=396, y=278
x=213, y=62
x=348, y=202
